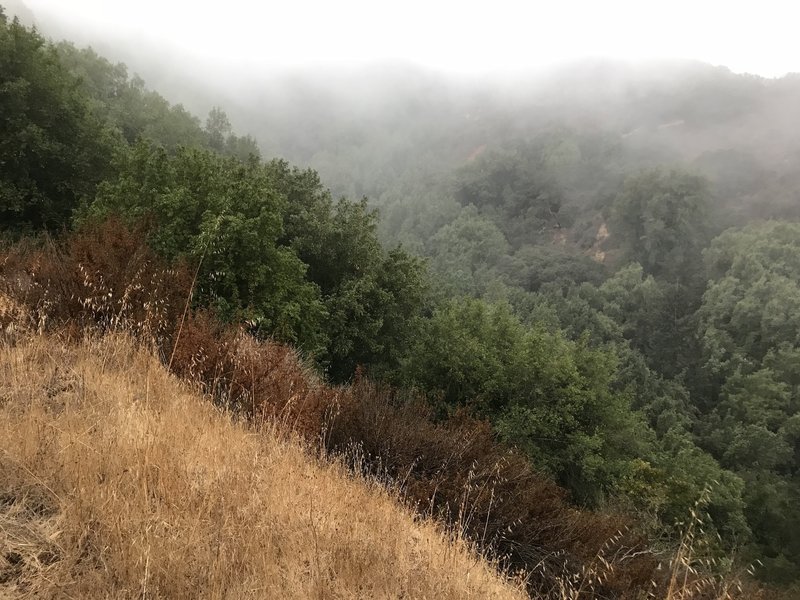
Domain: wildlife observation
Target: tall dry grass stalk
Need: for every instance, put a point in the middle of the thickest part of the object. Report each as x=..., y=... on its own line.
x=694, y=571
x=118, y=482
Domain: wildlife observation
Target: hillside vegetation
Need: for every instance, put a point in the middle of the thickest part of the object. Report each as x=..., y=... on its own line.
x=121, y=482
x=482, y=492
x=583, y=358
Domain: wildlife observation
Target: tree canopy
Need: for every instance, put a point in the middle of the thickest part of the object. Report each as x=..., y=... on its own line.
x=54, y=149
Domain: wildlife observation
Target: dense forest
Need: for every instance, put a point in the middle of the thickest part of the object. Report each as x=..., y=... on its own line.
x=604, y=264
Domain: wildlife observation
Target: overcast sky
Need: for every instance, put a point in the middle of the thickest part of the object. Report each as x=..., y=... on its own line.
x=463, y=36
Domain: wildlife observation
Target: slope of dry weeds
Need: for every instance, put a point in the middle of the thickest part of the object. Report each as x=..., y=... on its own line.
x=117, y=481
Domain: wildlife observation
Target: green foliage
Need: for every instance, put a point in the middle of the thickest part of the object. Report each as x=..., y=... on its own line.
x=536, y=266
x=750, y=332
x=669, y=471
x=218, y=128
x=659, y=221
x=753, y=302
x=53, y=149
x=126, y=105
x=275, y=250
x=655, y=315
x=467, y=253
x=67, y=115
x=516, y=191
x=371, y=295
x=576, y=310
x=220, y=137
x=227, y=216
x=549, y=396
x=689, y=471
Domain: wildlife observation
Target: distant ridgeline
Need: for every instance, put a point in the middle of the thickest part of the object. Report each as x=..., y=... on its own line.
x=583, y=269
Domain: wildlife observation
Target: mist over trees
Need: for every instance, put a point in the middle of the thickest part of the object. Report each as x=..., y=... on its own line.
x=602, y=261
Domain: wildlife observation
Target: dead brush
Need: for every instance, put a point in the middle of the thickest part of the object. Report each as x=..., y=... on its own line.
x=15, y=322
x=261, y=381
x=101, y=278
x=487, y=493
x=104, y=278
x=592, y=577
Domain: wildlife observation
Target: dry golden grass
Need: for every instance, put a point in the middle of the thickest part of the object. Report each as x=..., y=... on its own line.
x=13, y=319
x=117, y=481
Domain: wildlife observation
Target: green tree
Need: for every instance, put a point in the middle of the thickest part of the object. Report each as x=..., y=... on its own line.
x=222, y=139
x=752, y=304
x=749, y=328
x=554, y=398
x=656, y=316
x=535, y=266
x=467, y=252
x=125, y=104
x=515, y=190
x=53, y=149
x=228, y=216
x=371, y=295
x=218, y=128
x=659, y=221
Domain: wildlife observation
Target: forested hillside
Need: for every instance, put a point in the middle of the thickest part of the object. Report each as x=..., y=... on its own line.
x=597, y=271
x=375, y=130
x=644, y=215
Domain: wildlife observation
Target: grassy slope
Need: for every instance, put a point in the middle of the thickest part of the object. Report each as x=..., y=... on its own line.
x=117, y=481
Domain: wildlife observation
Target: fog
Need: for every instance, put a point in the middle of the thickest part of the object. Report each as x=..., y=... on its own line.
x=464, y=37
x=379, y=97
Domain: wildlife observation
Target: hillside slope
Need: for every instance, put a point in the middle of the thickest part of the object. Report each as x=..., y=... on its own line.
x=119, y=482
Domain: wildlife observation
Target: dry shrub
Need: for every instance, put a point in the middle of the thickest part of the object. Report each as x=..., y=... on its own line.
x=261, y=380
x=14, y=319
x=102, y=277
x=456, y=470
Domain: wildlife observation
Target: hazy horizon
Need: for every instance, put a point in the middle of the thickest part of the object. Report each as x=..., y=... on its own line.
x=456, y=38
